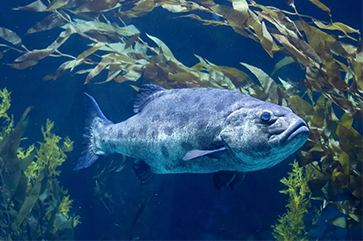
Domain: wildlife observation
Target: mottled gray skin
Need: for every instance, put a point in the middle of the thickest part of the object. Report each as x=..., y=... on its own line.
x=177, y=121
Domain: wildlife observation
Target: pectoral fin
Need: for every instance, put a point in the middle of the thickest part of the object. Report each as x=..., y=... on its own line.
x=200, y=153
x=224, y=178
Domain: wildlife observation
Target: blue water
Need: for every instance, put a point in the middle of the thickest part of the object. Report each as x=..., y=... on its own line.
x=181, y=207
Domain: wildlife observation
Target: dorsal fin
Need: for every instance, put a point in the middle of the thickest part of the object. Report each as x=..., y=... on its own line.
x=145, y=95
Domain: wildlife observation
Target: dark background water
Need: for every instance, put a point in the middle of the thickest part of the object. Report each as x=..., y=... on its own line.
x=181, y=206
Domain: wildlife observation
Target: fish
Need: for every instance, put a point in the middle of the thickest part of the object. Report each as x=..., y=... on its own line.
x=195, y=130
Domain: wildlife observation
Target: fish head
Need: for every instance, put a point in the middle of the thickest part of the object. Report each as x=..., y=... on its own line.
x=263, y=136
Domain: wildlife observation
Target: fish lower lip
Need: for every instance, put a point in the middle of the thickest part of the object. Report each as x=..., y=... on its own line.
x=298, y=129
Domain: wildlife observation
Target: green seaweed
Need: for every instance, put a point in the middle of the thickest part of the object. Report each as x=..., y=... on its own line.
x=33, y=205
x=290, y=225
x=50, y=154
x=8, y=122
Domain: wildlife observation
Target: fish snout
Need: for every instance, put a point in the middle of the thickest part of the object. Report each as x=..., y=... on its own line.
x=298, y=130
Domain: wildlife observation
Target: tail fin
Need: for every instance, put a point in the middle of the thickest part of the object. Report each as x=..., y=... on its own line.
x=94, y=116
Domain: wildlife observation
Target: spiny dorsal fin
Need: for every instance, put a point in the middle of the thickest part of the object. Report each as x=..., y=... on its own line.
x=145, y=95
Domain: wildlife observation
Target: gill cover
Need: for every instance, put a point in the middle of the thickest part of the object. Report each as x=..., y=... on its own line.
x=245, y=135
x=233, y=132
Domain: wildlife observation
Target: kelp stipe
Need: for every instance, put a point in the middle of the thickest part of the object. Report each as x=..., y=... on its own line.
x=33, y=205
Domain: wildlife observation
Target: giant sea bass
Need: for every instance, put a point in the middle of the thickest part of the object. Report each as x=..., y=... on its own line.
x=196, y=130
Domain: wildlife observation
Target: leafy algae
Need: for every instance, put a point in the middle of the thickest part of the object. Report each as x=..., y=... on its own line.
x=4, y=107
x=33, y=205
x=291, y=225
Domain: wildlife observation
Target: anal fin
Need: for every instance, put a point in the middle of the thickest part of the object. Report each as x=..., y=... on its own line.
x=228, y=178
x=143, y=171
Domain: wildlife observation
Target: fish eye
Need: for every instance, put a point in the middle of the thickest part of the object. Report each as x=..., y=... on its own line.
x=266, y=116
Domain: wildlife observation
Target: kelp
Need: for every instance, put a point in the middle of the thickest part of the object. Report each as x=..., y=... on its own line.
x=126, y=55
x=8, y=121
x=33, y=205
x=291, y=225
x=329, y=53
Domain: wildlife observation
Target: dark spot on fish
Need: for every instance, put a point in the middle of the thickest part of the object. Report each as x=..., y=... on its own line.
x=168, y=130
x=201, y=124
x=204, y=140
x=170, y=111
x=155, y=117
x=154, y=133
x=217, y=93
x=184, y=98
x=143, y=130
x=183, y=120
x=220, y=106
x=164, y=151
x=197, y=99
x=186, y=146
x=131, y=132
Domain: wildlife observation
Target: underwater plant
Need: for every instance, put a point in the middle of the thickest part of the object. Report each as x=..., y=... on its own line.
x=33, y=204
x=291, y=225
x=329, y=53
x=4, y=107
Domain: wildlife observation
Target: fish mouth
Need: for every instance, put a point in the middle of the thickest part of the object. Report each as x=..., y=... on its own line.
x=297, y=131
x=299, y=128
